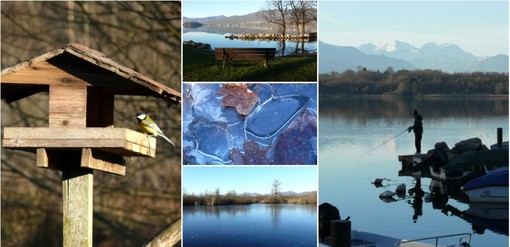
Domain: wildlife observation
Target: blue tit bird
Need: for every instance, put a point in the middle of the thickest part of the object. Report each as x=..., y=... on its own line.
x=150, y=127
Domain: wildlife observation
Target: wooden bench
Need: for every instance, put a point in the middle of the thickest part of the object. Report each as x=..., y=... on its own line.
x=229, y=54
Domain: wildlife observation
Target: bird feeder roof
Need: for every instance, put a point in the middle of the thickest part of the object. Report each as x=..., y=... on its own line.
x=79, y=64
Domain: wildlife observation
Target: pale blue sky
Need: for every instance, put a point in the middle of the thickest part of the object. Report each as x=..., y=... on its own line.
x=480, y=28
x=214, y=8
x=198, y=179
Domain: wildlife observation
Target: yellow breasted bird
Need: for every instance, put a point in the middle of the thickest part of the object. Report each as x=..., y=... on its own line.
x=150, y=127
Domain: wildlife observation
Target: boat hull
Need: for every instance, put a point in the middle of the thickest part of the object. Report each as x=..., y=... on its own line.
x=492, y=194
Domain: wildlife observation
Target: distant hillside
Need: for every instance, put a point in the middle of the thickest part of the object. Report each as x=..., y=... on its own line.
x=341, y=58
x=400, y=55
x=249, y=21
x=202, y=20
x=292, y=193
x=254, y=21
x=192, y=24
x=490, y=64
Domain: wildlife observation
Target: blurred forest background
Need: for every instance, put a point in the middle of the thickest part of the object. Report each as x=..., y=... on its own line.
x=128, y=211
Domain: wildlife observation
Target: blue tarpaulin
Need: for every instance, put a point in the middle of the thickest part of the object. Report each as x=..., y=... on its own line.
x=498, y=177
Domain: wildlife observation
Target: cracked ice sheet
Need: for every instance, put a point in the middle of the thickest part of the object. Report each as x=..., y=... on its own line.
x=305, y=97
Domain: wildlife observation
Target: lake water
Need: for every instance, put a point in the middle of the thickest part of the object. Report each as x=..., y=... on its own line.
x=217, y=40
x=250, y=225
x=350, y=127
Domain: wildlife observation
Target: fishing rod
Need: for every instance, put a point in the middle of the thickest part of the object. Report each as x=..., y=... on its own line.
x=395, y=136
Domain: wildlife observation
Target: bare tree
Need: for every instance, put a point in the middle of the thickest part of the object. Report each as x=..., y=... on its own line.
x=217, y=196
x=302, y=12
x=276, y=13
x=295, y=15
x=276, y=190
x=308, y=13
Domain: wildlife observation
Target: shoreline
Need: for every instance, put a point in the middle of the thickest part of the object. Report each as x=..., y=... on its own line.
x=237, y=204
x=331, y=96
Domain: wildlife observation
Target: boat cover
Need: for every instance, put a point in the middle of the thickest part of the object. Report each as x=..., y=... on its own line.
x=469, y=161
x=498, y=177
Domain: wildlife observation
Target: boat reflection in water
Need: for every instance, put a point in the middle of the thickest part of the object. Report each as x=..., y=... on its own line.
x=481, y=216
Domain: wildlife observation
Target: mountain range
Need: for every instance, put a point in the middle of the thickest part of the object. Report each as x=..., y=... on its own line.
x=401, y=55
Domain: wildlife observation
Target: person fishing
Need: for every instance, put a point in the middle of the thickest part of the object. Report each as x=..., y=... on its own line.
x=418, y=131
x=417, y=128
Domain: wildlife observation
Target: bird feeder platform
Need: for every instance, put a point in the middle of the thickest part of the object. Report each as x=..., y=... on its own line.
x=102, y=148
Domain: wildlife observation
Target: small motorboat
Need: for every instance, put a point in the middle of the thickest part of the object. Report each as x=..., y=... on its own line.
x=491, y=187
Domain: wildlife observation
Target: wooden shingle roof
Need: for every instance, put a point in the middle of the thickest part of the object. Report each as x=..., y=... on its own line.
x=75, y=63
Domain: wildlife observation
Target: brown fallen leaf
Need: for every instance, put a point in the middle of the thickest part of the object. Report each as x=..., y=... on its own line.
x=238, y=96
x=253, y=154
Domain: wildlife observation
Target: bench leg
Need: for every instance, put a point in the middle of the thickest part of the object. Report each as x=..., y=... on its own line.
x=224, y=57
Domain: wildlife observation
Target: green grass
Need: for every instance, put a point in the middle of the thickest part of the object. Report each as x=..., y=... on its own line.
x=200, y=65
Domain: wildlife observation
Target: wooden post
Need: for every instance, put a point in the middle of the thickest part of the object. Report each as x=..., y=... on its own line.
x=267, y=59
x=169, y=236
x=77, y=190
x=340, y=233
x=500, y=137
x=68, y=109
x=224, y=57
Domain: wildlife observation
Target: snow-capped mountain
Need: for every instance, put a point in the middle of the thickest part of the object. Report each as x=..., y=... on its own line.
x=396, y=47
x=446, y=57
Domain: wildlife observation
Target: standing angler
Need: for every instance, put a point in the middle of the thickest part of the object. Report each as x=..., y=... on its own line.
x=418, y=131
x=149, y=127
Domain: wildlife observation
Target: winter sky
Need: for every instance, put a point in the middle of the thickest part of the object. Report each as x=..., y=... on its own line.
x=480, y=28
x=197, y=9
x=251, y=179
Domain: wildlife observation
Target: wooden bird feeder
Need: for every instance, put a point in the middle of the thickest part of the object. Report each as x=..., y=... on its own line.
x=82, y=84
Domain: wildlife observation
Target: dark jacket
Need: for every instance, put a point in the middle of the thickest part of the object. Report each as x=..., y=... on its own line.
x=417, y=126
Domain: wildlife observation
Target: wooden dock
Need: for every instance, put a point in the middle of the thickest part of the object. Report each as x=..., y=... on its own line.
x=408, y=161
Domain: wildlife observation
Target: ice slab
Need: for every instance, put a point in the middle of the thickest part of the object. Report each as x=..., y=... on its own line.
x=273, y=115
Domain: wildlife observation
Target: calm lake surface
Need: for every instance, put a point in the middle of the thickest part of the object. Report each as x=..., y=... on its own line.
x=218, y=40
x=350, y=127
x=250, y=225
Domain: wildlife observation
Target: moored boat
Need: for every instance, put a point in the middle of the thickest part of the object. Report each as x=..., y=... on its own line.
x=491, y=187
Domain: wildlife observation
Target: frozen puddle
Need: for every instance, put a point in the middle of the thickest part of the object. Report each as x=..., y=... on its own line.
x=211, y=138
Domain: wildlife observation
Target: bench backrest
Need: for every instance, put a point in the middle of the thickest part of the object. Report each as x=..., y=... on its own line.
x=244, y=53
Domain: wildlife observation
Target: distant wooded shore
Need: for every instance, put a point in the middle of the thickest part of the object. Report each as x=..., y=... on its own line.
x=413, y=83
x=231, y=198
